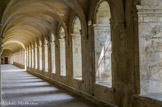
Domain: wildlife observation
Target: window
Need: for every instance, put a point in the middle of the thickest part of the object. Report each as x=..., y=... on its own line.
x=77, y=49
x=62, y=52
x=103, y=45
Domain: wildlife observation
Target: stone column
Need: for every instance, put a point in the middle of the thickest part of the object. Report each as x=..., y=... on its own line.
x=24, y=54
x=28, y=58
x=46, y=57
x=31, y=58
x=34, y=68
x=150, y=51
x=1, y=38
x=27, y=55
x=38, y=64
x=43, y=58
x=36, y=57
x=57, y=52
x=49, y=59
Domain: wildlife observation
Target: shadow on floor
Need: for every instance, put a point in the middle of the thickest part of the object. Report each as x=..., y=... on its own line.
x=22, y=89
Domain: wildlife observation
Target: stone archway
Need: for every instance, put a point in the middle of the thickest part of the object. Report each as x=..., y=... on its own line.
x=102, y=42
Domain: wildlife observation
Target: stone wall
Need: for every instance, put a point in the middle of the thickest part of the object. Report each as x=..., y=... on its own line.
x=19, y=58
x=9, y=54
x=151, y=3
x=150, y=43
x=19, y=65
x=126, y=50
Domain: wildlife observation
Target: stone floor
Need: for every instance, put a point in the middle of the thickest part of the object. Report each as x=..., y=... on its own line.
x=20, y=89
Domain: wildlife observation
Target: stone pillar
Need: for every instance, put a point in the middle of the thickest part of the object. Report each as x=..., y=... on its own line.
x=33, y=62
x=43, y=58
x=34, y=68
x=49, y=59
x=1, y=37
x=27, y=58
x=46, y=57
x=68, y=59
x=150, y=50
x=23, y=57
x=57, y=52
x=36, y=57
x=38, y=63
x=31, y=57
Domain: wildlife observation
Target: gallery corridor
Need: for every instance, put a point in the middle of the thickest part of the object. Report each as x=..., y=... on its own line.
x=91, y=53
x=21, y=88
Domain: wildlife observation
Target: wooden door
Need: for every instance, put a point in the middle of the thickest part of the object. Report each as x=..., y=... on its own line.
x=6, y=60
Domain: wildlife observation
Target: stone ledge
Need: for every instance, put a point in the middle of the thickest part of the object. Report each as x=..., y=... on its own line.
x=93, y=99
x=19, y=65
x=149, y=11
x=139, y=7
x=141, y=100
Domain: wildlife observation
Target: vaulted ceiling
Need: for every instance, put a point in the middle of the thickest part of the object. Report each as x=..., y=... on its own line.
x=25, y=21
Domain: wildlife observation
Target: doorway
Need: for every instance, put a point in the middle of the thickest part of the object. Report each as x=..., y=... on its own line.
x=6, y=60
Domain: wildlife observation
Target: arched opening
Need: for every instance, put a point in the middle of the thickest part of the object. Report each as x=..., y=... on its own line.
x=77, y=49
x=46, y=54
x=62, y=52
x=36, y=60
x=40, y=55
x=53, y=54
x=103, y=45
x=19, y=58
x=27, y=57
x=7, y=57
x=32, y=56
